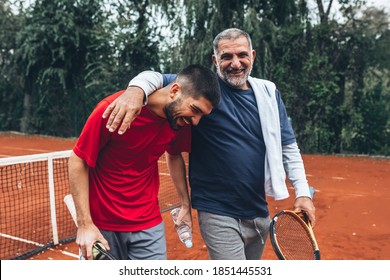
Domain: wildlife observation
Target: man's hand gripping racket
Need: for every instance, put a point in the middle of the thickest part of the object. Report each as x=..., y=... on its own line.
x=99, y=252
x=292, y=236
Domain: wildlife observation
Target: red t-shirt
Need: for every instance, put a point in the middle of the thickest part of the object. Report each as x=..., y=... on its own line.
x=123, y=174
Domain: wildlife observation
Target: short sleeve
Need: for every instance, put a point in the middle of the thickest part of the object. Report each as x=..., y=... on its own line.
x=94, y=136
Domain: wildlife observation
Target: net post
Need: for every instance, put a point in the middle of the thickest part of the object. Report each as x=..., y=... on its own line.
x=52, y=199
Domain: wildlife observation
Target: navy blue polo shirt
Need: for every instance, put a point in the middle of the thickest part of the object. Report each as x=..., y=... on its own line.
x=226, y=168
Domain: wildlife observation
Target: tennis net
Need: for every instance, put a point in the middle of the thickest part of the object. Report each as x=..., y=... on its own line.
x=33, y=214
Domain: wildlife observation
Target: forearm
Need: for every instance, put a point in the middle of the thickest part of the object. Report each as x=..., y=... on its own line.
x=178, y=173
x=148, y=81
x=87, y=232
x=78, y=183
x=293, y=164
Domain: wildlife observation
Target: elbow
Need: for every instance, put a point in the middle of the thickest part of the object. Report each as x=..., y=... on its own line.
x=76, y=163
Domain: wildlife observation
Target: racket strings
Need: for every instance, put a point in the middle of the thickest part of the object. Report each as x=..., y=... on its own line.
x=293, y=239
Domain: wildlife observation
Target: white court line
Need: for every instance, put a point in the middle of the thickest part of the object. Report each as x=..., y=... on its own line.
x=38, y=244
x=24, y=149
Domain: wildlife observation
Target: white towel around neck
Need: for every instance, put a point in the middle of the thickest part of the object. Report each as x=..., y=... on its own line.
x=274, y=173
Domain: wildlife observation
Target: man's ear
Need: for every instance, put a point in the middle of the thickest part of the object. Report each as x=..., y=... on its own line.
x=174, y=90
x=253, y=56
x=213, y=57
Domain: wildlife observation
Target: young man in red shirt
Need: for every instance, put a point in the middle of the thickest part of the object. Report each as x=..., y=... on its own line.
x=114, y=179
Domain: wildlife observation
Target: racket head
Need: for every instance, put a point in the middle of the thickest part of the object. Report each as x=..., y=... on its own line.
x=99, y=252
x=292, y=237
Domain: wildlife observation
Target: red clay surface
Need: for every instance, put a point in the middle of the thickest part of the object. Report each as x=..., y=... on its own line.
x=352, y=202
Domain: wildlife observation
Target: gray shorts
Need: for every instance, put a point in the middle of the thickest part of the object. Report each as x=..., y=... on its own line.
x=149, y=244
x=229, y=238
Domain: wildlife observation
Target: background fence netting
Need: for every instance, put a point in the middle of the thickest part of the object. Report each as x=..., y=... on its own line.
x=33, y=214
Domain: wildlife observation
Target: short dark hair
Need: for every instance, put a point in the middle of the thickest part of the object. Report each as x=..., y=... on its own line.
x=198, y=81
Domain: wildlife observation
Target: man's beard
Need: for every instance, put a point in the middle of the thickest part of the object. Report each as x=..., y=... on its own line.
x=235, y=82
x=170, y=110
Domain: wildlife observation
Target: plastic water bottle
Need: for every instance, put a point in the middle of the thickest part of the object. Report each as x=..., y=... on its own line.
x=312, y=191
x=183, y=230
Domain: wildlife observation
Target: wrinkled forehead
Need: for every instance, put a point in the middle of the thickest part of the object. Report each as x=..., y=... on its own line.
x=232, y=46
x=237, y=38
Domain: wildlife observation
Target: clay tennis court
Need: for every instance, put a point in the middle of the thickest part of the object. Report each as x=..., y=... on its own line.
x=352, y=201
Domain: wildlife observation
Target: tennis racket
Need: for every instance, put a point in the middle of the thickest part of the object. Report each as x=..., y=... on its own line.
x=99, y=252
x=292, y=237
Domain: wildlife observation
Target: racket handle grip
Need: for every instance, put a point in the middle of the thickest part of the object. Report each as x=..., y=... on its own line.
x=68, y=199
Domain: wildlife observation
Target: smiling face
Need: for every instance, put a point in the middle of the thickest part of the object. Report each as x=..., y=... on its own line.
x=186, y=110
x=233, y=60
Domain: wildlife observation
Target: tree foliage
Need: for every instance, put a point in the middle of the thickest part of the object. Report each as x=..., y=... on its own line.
x=58, y=44
x=58, y=58
x=11, y=93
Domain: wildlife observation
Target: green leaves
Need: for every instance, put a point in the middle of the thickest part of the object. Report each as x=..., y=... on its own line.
x=58, y=58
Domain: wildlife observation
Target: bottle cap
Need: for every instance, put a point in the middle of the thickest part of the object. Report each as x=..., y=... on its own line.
x=188, y=243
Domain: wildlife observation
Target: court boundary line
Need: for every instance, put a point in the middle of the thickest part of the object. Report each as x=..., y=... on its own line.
x=38, y=245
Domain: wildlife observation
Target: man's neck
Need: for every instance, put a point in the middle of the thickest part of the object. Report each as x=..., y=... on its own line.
x=157, y=101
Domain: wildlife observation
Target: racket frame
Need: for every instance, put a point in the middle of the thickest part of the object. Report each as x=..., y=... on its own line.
x=305, y=223
x=103, y=253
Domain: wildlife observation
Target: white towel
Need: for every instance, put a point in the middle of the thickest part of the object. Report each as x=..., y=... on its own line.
x=275, y=175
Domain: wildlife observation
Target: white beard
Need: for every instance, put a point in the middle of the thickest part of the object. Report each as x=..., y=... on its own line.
x=235, y=82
